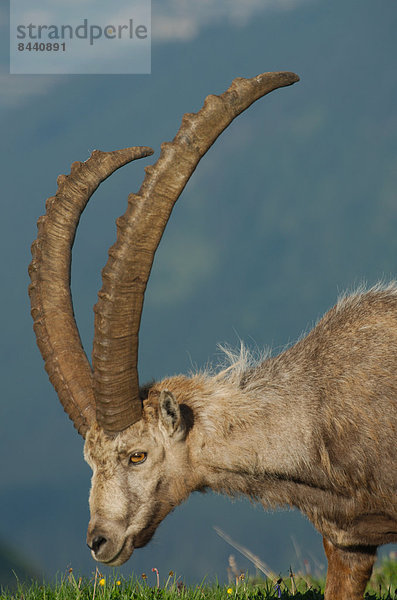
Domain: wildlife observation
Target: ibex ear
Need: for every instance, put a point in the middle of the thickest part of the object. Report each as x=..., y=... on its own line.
x=170, y=415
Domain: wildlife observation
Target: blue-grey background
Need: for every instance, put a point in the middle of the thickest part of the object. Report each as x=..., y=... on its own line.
x=295, y=203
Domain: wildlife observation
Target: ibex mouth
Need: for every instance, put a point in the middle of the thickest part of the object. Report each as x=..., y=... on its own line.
x=110, y=552
x=120, y=557
x=126, y=549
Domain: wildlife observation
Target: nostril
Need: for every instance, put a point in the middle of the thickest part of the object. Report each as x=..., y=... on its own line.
x=97, y=542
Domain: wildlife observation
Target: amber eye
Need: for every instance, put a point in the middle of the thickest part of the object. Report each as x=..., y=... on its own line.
x=138, y=457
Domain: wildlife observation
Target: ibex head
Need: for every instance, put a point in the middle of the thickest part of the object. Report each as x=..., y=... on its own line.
x=139, y=476
x=136, y=441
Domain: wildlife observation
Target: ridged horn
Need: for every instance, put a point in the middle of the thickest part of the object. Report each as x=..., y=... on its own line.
x=51, y=304
x=119, y=307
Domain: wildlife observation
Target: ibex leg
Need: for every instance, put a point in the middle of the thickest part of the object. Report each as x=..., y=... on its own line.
x=348, y=571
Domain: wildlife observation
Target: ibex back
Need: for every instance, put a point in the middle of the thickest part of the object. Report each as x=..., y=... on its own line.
x=314, y=427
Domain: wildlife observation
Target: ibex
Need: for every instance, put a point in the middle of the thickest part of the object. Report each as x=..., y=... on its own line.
x=314, y=427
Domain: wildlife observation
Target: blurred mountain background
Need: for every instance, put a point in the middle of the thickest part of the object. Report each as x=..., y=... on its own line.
x=294, y=204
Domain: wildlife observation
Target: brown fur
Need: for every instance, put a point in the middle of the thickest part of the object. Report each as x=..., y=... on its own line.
x=314, y=428
x=348, y=571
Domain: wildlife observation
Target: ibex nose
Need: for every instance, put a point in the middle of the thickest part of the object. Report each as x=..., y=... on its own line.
x=97, y=542
x=104, y=540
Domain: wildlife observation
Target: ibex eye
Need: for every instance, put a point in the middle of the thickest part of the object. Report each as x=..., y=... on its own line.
x=138, y=457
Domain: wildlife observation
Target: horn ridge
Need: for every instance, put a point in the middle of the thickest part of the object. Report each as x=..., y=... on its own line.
x=124, y=277
x=51, y=303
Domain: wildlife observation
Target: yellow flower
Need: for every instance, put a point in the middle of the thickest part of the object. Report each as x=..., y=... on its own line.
x=229, y=591
x=144, y=576
x=118, y=582
x=102, y=581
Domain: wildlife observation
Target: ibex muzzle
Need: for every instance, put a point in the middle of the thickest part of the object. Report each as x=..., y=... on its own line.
x=314, y=427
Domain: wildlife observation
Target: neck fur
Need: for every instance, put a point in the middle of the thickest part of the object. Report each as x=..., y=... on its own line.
x=243, y=439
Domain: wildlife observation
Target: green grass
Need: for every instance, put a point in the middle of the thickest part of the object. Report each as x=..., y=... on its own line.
x=383, y=586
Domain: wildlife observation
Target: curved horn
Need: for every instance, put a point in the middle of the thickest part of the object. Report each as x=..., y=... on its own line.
x=56, y=331
x=139, y=230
